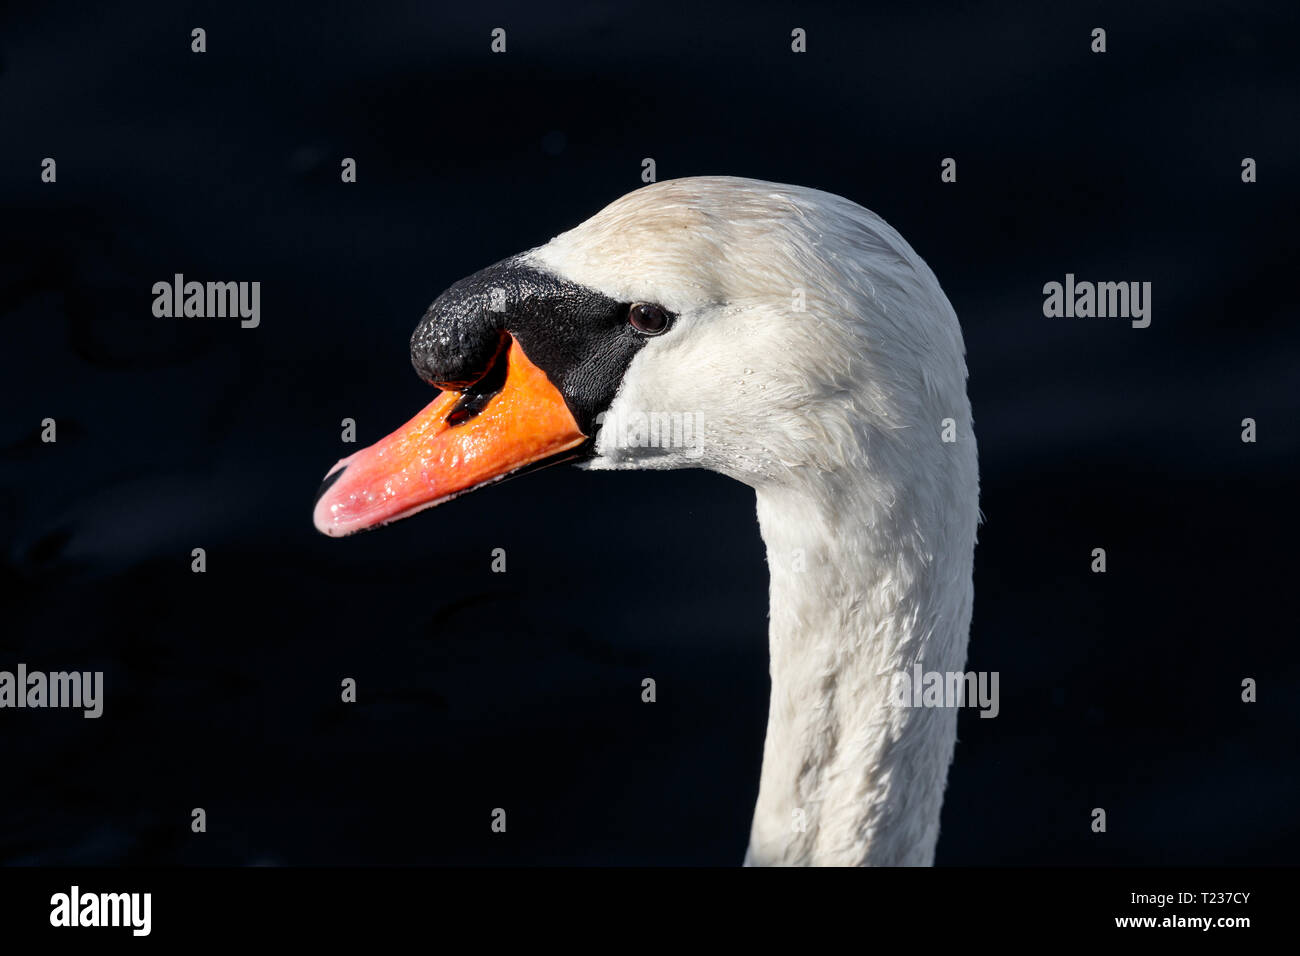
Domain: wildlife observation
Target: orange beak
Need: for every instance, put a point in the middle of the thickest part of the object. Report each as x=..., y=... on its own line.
x=430, y=459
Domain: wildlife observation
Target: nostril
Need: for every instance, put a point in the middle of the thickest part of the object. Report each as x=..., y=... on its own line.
x=476, y=397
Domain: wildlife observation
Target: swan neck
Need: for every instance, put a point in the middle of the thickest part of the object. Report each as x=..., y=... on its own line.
x=849, y=777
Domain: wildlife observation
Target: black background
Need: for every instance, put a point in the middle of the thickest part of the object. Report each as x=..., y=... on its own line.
x=522, y=690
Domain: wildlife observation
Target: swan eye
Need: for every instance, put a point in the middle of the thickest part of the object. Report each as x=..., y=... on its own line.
x=647, y=318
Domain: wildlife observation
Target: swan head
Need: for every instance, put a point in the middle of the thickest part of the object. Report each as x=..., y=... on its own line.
x=773, y=333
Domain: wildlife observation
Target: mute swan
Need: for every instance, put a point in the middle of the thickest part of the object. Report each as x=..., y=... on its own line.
x=821, y=364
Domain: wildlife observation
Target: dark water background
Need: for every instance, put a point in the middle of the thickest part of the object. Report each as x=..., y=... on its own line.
x=522, y=690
